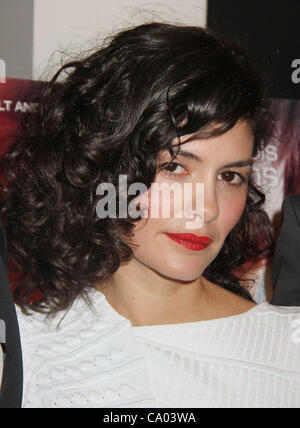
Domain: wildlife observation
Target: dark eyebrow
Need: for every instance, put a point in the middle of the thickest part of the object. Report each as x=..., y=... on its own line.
x=237, y=164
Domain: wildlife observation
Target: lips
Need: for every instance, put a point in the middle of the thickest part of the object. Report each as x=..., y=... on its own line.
x=190, y=241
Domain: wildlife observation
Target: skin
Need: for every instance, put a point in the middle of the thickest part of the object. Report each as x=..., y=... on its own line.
x=163, y=282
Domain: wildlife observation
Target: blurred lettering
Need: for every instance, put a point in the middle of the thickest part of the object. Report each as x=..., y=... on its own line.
x=296, y=332
x=2, y=71
x=296, y=73
x=2, y=331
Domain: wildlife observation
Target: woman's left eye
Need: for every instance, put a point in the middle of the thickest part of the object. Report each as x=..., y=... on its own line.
x=231, y=177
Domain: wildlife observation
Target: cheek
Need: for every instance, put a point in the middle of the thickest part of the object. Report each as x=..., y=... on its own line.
x=160, y=203
x=232, y=209
x=146, y=234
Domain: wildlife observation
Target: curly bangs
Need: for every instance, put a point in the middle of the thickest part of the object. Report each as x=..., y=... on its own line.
x=112, y=113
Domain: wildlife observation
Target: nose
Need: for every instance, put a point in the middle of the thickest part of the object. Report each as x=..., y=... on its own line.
x=211, y=203
x=203, y=202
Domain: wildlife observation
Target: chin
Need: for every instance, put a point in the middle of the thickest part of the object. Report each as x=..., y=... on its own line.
x=175, y=266
x=185, y=277
x=179, y=272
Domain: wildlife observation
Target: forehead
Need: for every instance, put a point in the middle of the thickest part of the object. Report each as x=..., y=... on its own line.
x=237, y=142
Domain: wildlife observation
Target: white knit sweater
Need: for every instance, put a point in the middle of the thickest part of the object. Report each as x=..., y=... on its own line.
x=96, y=358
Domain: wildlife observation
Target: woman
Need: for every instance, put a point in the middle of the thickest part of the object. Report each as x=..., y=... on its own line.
x=146, y=310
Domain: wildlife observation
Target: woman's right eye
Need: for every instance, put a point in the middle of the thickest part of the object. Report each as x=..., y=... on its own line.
x=172, y=168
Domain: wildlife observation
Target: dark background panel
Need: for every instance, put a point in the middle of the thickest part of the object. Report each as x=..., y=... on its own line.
x=271, y=31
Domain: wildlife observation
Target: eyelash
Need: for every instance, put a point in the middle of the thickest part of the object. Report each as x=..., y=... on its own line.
x=242, y=177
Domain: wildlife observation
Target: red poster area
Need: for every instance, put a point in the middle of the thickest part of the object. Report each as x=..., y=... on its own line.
x=17, y=97
x=277, y=173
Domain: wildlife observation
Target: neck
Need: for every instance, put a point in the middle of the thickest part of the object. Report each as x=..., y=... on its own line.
x=145, y=297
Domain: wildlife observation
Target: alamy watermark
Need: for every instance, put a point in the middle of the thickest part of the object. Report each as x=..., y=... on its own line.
x=166, y=201
x=296, y=331
x=2, y=332
x=296, y=73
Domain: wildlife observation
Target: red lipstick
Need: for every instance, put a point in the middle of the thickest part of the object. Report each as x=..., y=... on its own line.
x=190, y=241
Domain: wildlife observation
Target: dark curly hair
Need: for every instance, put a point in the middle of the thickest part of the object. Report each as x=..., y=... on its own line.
x=112, y=113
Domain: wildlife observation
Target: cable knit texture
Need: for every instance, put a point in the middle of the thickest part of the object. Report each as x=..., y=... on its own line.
x=91, y=356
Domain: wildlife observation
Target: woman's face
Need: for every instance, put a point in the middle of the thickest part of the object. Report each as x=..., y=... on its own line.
x=222, y=164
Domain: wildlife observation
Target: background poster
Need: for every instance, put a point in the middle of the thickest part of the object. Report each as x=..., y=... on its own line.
x=17, y=96
x=269, y=31
x=277, y=172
